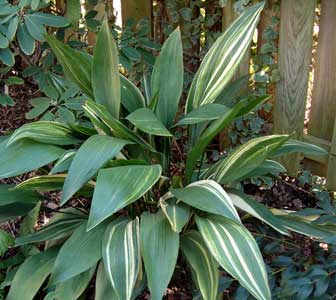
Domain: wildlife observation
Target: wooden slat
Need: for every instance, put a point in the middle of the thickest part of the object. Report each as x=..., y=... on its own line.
x=331, y=172
x=323, y=110
x=295, y=50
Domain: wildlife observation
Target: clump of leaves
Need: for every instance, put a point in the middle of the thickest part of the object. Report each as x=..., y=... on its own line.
x=141, y=219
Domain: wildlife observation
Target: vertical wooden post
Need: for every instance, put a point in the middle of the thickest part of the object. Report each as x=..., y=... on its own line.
x=331, y=172
x=295, y=51
x=323, y=107
x=136, y=9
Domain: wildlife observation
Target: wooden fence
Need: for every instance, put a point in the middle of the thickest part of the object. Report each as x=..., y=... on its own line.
x=295, y=46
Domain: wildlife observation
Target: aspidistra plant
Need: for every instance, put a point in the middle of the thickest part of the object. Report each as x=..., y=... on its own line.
x=140, y=219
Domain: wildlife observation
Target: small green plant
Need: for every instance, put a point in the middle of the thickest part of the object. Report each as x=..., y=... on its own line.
x=137, y=219
x=5, y=98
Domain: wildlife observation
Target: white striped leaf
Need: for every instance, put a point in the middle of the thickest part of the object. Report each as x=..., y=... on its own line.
x=221, y=62
x=55, y=230
x=79, y=253
x=209, y=196
x=103, y=286
x=177, y=214
x=159, y=248
x=167, y=78
x=121, y=256
x=145, y=120
x=63, y=163
x=267, y=167
x=245, y=159
x=257, y=210
x=118, y=187
x=235, y=249
x=105, y=71
x=201, y=263
x=95, y=152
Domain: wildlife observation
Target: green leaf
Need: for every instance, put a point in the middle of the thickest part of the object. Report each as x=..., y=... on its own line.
x=145, y=120
x=3, y=41
x=209, y=196
x=223, y=59
x=177, y=214
x=73, y=288
x=23, y=157
x=76, y=65
x=105, y=71
x=265, y=168
x=245, y=158
x=95, y=152
x=47, y=132
x=103, y=285
x=6, y=100
x=235, y=249
x=131, y=97
x=12, y=28
x=111, y=126
x=201, y=263
x=35, y=268
x=6, y=241
x=257, y=210
x=73, y=11
x=63, y=163
x=167, y=78
x=121, y=256
x=10, y=196
x=26, y=41
x=159, y=248
x=293, y=146
x=112, y=194
x=7, y=57
x=50, y=20
x=11, y=211
x=79, y=253
x=53, y=231
x=207, y=112
x=35, y=28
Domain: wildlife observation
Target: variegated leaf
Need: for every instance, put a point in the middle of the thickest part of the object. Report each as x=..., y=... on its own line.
x=201, y=263
x=235, y=249
x=121, y=256
x=221, y=62
x=209, y=196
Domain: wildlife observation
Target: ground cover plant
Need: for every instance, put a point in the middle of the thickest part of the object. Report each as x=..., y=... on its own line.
x=125, y=215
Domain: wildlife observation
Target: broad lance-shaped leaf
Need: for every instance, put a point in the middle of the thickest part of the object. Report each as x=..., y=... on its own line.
x=50, y=20
x=31, y=275
x=207, y=112
x=167, y=78
x=131, y=97
x=105, y=71
x=9, y=196
x=112, y=194
x=91, y=156
x=235, y=249
x=145, y=120
x=202, y=265
x=63, y=163
x=177, y=214
x=209, y=196
x=73, y=288
x=45, y=132
x=159, y=248
x=221, y=62
x=79, y=253
x=25, y=156
x=266, y=168
x=76, y=65
x=257, y=210
x=121, y=256
x=55, y=230
x=245, y=158
x=292, y=146
x=111, y=126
